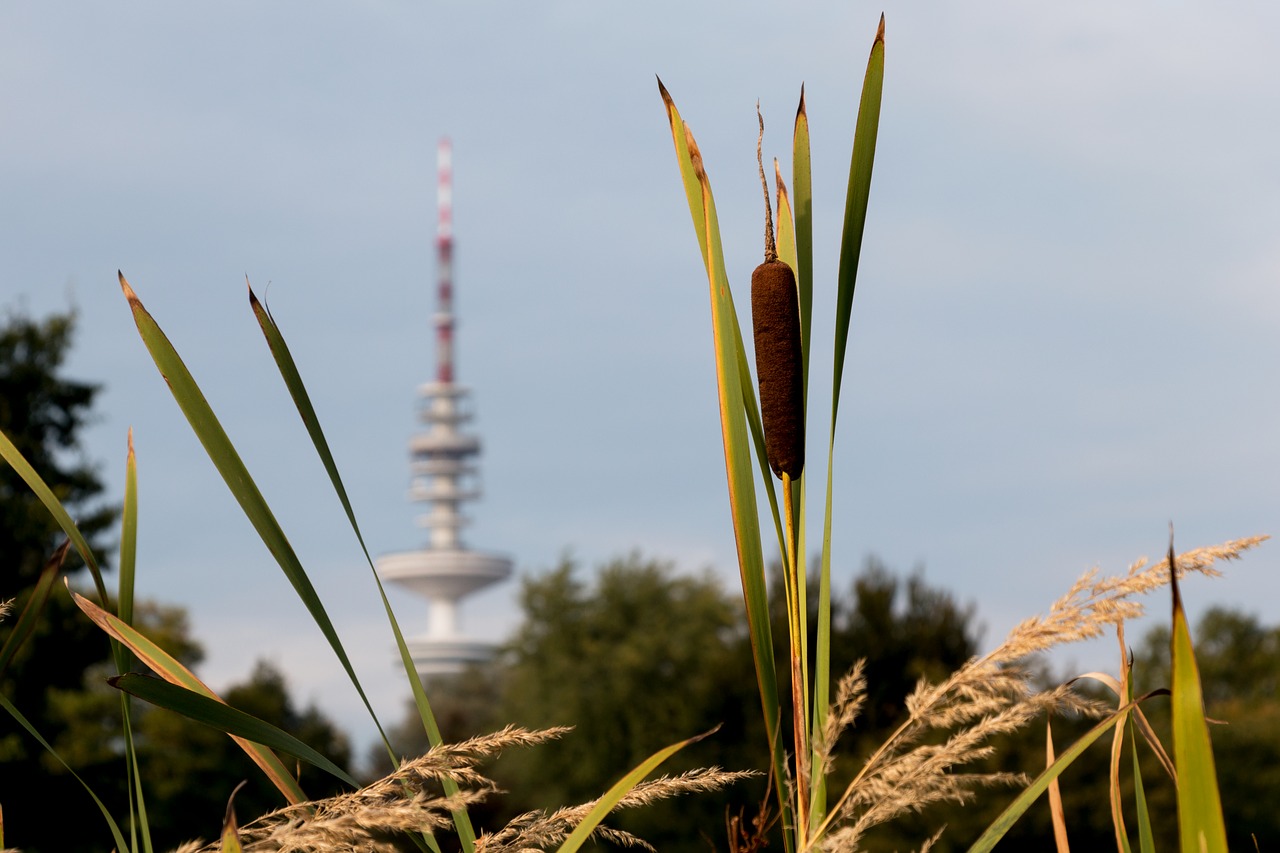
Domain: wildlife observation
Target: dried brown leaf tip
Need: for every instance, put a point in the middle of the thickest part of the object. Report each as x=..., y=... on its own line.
x=128, y=291
x=775, y=320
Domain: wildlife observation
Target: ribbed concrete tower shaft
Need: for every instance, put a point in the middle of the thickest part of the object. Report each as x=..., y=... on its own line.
x=444, y=477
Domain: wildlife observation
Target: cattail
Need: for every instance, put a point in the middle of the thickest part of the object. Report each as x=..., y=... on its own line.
x=775, y=317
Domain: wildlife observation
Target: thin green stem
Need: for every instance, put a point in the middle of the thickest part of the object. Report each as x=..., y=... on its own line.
x=800, y=705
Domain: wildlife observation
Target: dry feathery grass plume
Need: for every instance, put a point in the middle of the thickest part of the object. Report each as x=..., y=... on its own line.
x=534, y=832
x=375, y=817
x=5, y=607
x=989, y=696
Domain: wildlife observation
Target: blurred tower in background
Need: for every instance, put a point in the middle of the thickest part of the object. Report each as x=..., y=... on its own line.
x=444, y=476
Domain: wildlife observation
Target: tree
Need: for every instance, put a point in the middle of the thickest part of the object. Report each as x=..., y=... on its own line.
x=43, y=414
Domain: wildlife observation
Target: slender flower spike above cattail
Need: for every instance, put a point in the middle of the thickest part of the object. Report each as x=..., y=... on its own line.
x=775, y=318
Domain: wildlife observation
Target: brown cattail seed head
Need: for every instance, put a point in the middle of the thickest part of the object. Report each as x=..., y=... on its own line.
x=775, y=316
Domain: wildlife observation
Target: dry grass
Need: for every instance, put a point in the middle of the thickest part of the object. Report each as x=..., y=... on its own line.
x=989, y=696
x=378, y=817
x=538, y=831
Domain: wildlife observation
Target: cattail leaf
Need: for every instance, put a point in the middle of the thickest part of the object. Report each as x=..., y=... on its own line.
x=223, y=454
x=1200, y=824
x=302, y=401
x=620, y=789
x=802, y=216
x=31, y=730
x=1001, y=825
x=855, y=207
x=855, y=217
x=217, y=714
x=734, y=388
x=171, y=670
x=786, y=242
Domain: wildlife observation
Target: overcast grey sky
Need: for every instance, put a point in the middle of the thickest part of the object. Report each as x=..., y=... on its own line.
x=1065, y=333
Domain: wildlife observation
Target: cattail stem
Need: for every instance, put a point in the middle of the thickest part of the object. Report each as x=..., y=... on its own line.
x=799, y=701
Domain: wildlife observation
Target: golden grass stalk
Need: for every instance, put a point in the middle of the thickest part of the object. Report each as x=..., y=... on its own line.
x=540, y=831
x=989, y=696
x=377, y=817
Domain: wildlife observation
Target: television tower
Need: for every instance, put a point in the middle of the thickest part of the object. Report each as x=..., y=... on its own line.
x=444, y=477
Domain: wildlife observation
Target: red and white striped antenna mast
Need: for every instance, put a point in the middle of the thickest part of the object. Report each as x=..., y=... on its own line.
x=444, y=267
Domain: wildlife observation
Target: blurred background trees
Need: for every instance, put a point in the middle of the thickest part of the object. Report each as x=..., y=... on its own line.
x=634, y=656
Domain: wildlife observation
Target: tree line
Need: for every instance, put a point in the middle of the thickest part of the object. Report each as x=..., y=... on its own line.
x=633, y=655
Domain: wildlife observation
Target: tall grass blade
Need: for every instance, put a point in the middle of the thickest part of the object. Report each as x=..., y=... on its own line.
x=619, y=790
x=127, y=564
x=42, y=491
x=855, y=217
x=225, y=458
x=30, y=615
x=302, y=401
x=224, y=718
x=730, y=362
x=31, y=730
x=1001, y=825
x=171, y=670
x=126, y=570
x=1146, y=837
x=1200, y=823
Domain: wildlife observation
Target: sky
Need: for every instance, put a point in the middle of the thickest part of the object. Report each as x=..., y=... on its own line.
x=1064, y=336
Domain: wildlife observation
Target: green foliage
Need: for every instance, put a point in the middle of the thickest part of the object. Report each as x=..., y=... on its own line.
x=637, y=658
x=43, y=413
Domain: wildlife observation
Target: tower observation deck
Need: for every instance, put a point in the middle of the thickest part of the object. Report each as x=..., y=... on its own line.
x=444, y=476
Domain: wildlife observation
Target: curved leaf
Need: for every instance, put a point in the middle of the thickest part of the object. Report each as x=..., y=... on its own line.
x=217, y=714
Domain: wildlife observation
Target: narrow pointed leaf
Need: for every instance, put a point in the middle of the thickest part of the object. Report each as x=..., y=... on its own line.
x=225, y=458
x=855, y=217
x=730, y=363
x=620, y=789
x=36, y=483
x=802, y=215
x=1200, y=824
x=855, y=207
x=171, y=670
x=128, y=537
x=1146, y=837
x=224, y=718
x=302, y=401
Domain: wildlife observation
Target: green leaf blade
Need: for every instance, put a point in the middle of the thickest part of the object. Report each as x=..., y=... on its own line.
x=224, y=718
x=1200, y=822
x=231, y=467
